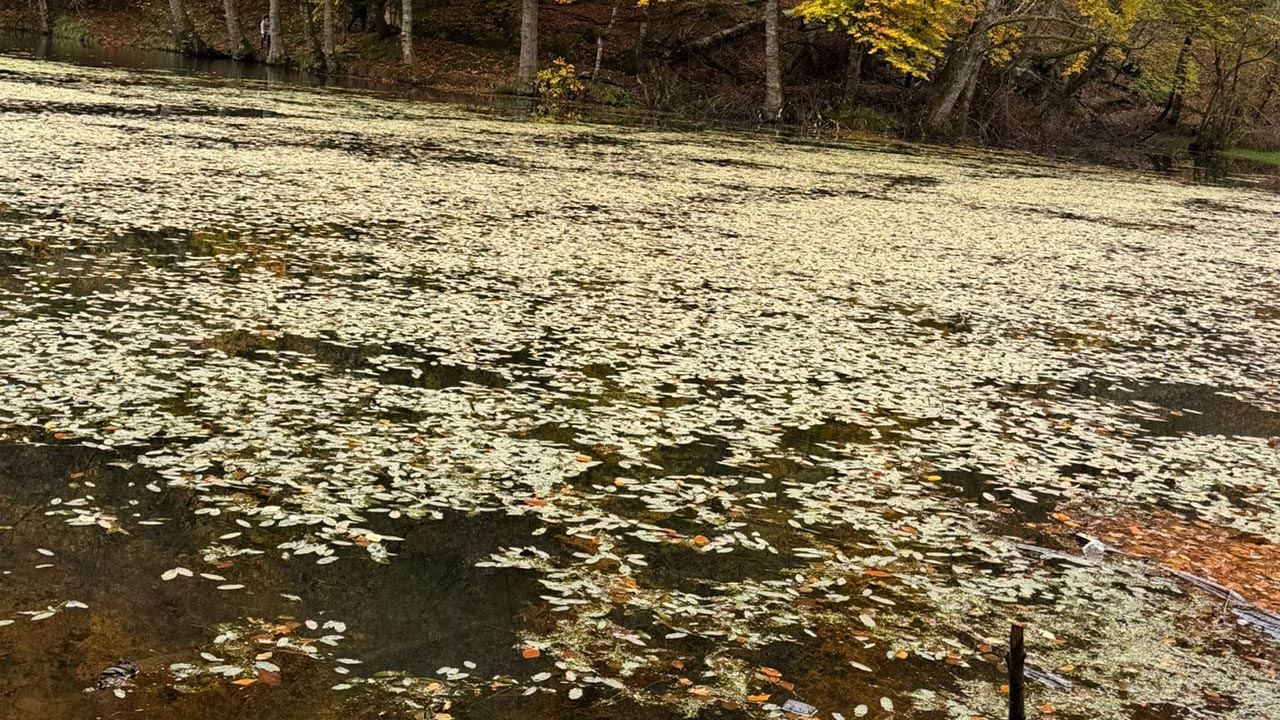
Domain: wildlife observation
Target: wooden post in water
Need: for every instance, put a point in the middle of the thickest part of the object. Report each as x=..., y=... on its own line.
x=1015, y=660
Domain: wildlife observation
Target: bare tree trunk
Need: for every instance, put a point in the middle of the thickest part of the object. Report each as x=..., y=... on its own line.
x=528, y=70
x=275, y=54
x=613, y=15
x=236, y=41
x=42, y=7
x=184, y=35
x=772, y=62
x=315, y=55
x=328, y=35
x=961, y=72
x=406, y=32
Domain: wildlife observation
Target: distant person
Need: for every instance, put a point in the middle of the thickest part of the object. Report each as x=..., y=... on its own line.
x=359, y=11
x=264, y=33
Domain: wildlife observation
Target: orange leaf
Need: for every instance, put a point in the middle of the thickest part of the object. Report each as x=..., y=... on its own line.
x=700, y=540
x=582, y=458
x=770, y=672
x=242, y=682
x=763, y=697
x=901, y=654
x=879, y=574
x=1047, y=709
x=908, y=530
x=530, y=653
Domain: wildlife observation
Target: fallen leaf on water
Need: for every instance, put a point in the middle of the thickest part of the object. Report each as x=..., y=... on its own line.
x=530, y=653
x=244, y=681
x=758, y=698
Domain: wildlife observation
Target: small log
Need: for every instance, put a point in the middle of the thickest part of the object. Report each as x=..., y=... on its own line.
x=1016, y=659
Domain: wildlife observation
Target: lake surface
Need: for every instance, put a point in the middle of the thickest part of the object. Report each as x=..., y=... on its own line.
x=321, y=404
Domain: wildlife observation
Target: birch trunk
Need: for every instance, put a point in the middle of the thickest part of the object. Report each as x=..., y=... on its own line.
x=526, y=74
x=772, y=63
x=613, y=15
x=328, y=35
x=406, y=32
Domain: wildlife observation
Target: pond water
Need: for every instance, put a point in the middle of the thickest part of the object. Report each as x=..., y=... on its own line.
x=322, y=404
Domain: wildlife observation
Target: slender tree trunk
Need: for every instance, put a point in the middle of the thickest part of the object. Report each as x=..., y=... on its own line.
x=1173, y=105
x=315, y=55
x=961, y=71
x=406, y=32
x=1016, y=659
x=642, y=35
x=852, y=71
x=42, y=7
x=275, y=55
x=184, y=35
x=236, y=41
x=613, y=15
x=1077, y=82
x=528, y=70
x=772, y=62
x=328, y=35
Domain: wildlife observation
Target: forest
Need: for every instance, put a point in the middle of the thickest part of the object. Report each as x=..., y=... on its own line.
x=1099, y=79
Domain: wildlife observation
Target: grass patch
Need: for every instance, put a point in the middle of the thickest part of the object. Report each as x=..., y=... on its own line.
x=1268, y=157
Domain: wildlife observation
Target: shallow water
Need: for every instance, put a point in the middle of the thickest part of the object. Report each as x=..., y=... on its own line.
x=399, y=392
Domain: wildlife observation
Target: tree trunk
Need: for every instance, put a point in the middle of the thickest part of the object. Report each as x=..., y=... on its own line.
x=613, y=15
x=275, y=55
x=1016, y=660
x=406, y=32
x=236, y=42
x=42, y=7
x=852, y=71
x=961, y=71
x=185, y=39
x=1077, y=82
x=772, y=63
x=528, y=70
x=377, y=16
x=642, y=35
x=315, y=55
x=1173, y=105
x=328, y=35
